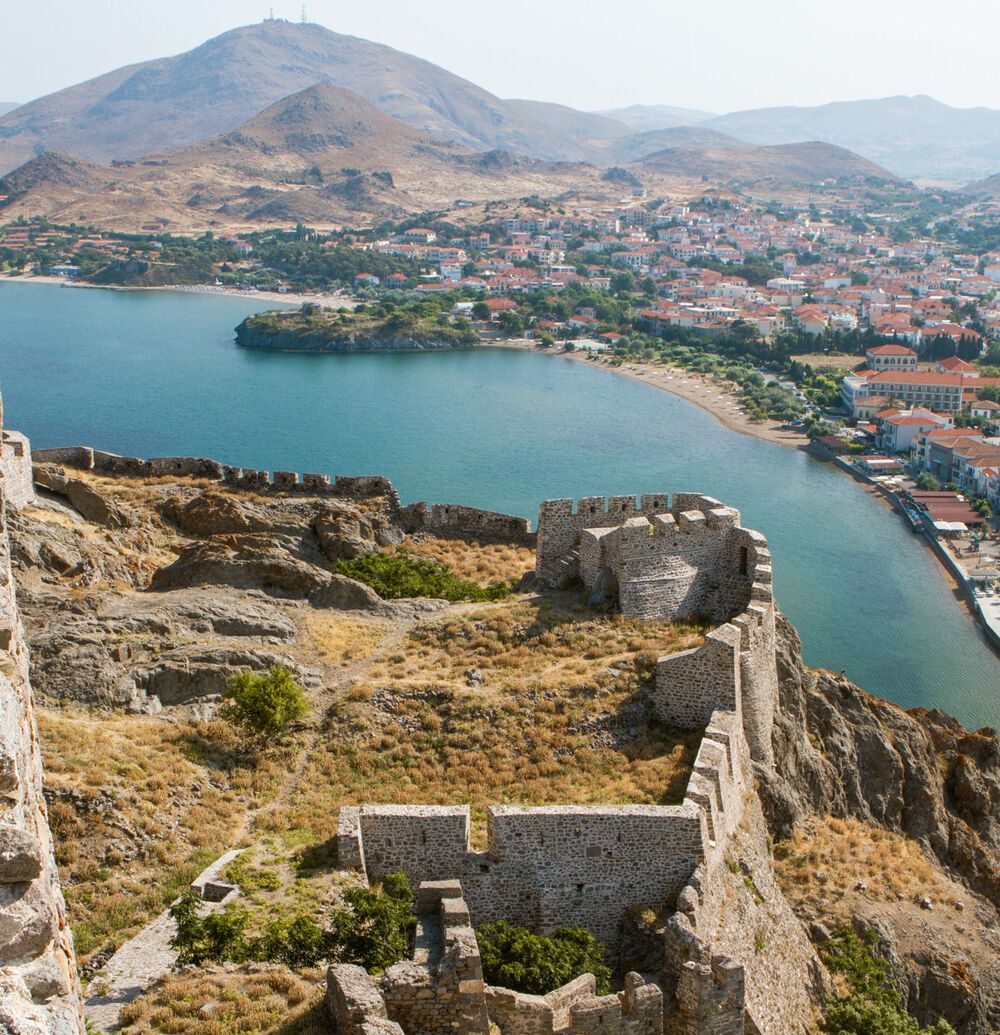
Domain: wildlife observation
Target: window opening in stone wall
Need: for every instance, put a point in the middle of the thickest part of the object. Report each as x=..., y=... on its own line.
x=744, y=561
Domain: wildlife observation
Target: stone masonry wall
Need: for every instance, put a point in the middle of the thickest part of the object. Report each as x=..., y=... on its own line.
x=576, y=1009
x=15, y=467
x=39, y=992
x=735, y=668
x=560, y=527
x=451, y=519
x=343, y=486
x=440, y=518
x=441, y=990
x=730, y=944
x=546, y=867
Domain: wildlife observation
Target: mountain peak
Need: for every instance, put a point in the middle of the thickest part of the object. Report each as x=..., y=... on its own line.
x=216, y=87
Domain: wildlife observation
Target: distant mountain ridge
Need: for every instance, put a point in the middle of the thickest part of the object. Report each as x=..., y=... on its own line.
x=781, y=164
x=6, y=106
x=913, y=136
x=175, y=102
x=643, y=118
x=324, y=156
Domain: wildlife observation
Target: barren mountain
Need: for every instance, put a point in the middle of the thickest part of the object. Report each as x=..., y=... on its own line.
x=642, y=118
x=582, y=127
x=324, y=155
x=6, y=106
x=640, y=145
x=913, y=136
x=784, y=164
x=989, y=186
x=174, y=101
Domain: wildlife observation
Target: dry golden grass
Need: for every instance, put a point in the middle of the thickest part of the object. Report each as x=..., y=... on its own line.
x=541, y=729
x=482, y=563
x=159, y=802
x=209, y=1002
x=829, y=857
x=340, y=640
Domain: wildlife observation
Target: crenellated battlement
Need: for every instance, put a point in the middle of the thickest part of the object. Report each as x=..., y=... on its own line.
x=248, y=479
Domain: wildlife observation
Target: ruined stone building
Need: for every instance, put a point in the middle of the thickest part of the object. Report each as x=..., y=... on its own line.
x=724, y=954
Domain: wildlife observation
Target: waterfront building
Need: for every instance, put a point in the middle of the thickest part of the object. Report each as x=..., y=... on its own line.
x=896, y=430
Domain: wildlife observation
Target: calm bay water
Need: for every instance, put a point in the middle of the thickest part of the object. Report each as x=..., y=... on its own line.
x=157, y=373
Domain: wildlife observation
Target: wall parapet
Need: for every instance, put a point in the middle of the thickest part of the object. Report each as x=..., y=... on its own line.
x=451, y=519
x=545, y=867
x=344, y=486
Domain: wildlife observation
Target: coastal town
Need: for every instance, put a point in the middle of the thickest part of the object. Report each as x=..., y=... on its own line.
x=867, y=327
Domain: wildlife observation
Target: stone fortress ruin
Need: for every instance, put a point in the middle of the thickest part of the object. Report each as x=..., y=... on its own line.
x=710, y=967
x=681, y=895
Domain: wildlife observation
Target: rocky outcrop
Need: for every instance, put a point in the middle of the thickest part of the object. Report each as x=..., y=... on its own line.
x=842, y=752
x=345, y=594
x=242, y=561
x=344, y=535
x=85, y=499
x=98, y=650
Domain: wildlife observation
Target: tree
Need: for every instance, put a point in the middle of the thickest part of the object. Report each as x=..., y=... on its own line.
x=872, y=1006
x=263, y=704
x=537, y=964
x=373, y=932
x=622, y=282
x=481, y=311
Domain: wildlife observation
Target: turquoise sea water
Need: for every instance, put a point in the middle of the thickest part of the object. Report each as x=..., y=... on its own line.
x=157, y=373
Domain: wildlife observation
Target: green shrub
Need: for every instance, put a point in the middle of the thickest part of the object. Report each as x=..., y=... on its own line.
x=397, y=575
x=262, y=705
x=515, y=958
x=872, y=1006
x=374, y=931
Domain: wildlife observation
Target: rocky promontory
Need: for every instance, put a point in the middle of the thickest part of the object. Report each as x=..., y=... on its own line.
x=312, y=329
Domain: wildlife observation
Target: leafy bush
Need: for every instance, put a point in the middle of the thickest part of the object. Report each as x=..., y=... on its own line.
x=515, y=958
x=397, y=575
x=373, y=932
x=263, y=704
x=872, y=1006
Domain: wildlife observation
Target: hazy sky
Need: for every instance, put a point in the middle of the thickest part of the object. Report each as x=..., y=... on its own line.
x=720, y=56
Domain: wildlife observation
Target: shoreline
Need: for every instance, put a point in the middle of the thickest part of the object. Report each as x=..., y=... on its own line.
x=723, y=405
x=292, y=299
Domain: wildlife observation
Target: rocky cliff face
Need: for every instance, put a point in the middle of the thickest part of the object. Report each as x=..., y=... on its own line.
x=841, y=752
x=39, y=992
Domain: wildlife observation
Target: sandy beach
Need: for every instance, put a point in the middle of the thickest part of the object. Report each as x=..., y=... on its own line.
x=698, y=389
x=328, y=300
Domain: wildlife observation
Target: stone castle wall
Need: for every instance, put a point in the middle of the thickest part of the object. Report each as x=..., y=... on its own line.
x=350, y=487
x=15, y=468
x=39, y=992
x=445, y=519
x=560, y=527
x=442, y=991
x=663, y=563
x=545, y=867
x=450, y=519
x=595, y=866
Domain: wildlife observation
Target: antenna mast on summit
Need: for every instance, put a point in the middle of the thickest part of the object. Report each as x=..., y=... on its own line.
x=303, y=18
